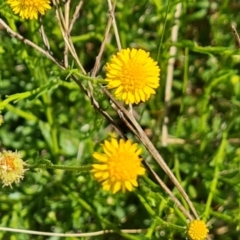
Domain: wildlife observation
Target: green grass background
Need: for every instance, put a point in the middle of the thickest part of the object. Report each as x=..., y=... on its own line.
x=58, y=123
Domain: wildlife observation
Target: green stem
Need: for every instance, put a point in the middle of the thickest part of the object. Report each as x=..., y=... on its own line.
x=180, y=214
x=155, y=187
x=150, y=183
x=162, y=33
x=49, y=111
x=218, y=159
x=24, y=114
x=86, y=77
x=62, y=167
x=151, y=230
x=178, y=176
x=153, y=215
x=222, y=216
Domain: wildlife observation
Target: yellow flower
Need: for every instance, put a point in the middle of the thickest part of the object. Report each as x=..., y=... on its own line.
x=133, y=75
x=119, y=165
x=11, y=168
x=197, y=230
x=29, y=9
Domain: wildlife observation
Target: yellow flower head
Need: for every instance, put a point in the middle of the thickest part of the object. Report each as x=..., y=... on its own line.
x=119, y=165
x=11, y=168
x=133, y=75
x=29, y=9
x=197, y=230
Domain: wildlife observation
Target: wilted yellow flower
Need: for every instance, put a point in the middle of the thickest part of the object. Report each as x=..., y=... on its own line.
x=119, y=165
x=133, y=75
x=29, y=9
x=11, y=168
x=197, y=230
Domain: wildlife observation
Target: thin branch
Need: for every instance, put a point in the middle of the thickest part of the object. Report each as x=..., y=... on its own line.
x=98, y=58
x=236, y=35
x=44, y=36
x=60, y=13
x=66, y=17
x=75, y=15
x=97, y=233
x=30, y=43
x=96, y=105
x=170, y=70
x=169, y=192
x=66, y=37
x=111, y=12
x=66, y=14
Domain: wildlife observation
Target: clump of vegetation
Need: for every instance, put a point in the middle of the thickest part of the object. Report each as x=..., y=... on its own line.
x=119, y=120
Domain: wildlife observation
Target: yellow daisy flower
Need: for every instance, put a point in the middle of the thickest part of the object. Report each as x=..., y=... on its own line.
x=197, y=230
x=29, y=9
x=133, y=75
x=119, y=165
x=11, y=168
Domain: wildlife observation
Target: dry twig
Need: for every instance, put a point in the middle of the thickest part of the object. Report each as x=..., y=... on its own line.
x=170, y=70
x=236, y=35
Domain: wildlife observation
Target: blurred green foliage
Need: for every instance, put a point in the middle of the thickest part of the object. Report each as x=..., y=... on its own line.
x=54, y=120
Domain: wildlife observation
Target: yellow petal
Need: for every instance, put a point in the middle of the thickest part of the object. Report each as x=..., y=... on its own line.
x=128, y=186
x=100, y=157
x=116, y=187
